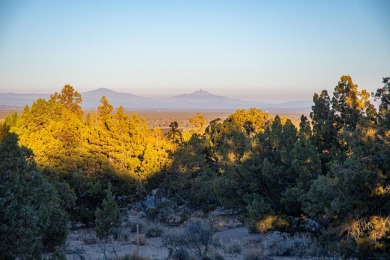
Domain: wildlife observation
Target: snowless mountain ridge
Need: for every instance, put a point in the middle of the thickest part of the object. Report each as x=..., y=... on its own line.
x=200, y=99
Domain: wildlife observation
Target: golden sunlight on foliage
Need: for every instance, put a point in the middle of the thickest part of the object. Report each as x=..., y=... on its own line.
x=61, y=139
x=199, y=122
x=369, y=233
x=270, y=223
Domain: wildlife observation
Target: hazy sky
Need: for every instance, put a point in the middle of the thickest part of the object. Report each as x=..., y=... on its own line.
x=255, y=50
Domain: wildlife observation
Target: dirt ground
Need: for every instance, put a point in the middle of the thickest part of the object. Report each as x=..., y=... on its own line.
x=78, y=245
x=234, y=242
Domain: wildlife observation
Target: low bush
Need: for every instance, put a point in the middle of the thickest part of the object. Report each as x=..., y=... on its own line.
x=121, y=234
x=271, y=223
x=132, y=226
x=90, y=240
x=233, y=247
x=196, y=236
x=154, y=230
x=282, y=244
x=253, y=254
x=181, y=254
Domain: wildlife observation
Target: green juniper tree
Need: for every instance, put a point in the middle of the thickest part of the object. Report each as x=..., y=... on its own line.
x=108, y=216
x=31, y=216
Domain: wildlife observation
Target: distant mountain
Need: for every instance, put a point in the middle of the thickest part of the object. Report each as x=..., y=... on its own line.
x=91, y=99
x=290, y=104
x=196, y=100
x=13, y=99
x=204, y=100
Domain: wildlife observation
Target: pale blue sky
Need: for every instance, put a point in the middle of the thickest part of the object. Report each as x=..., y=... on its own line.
x=255, y=50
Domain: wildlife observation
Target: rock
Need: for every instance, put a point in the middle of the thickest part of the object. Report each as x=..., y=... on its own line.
x=149, y=202
x=310, y=225
x=306, y=225
x=174, y=219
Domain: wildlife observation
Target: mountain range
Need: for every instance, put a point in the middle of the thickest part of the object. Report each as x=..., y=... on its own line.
x=200, y=99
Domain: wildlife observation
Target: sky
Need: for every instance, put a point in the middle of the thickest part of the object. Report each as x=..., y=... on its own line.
x=271, y=51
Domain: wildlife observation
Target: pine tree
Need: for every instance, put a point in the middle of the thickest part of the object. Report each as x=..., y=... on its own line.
x=325, y=128
x=70, y=98
x=349, y=103
x=383, y=94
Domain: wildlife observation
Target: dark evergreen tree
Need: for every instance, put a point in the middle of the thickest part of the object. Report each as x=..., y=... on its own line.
x=325, y=128
x=31, y=217
x=383, y=94
x=108, y=216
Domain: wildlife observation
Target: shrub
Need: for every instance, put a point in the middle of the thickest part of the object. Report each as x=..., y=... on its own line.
x=90, y=240
x=108, y=217
x=121, y=234
x=367, y=237
x=200, y=237
x=154, y=230
x=196, y=236
x=253, y=254
x=215, y=255
x=282, y=244
x=233, y=248
x=181, y=254
x=132, y=226
x=271, y=223
x=32, y=218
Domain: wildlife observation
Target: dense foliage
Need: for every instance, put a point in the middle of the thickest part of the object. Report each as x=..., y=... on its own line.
x=31, y=214
x=333, y=169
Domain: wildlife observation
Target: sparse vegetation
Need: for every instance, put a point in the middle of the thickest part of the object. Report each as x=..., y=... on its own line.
x=154, y=230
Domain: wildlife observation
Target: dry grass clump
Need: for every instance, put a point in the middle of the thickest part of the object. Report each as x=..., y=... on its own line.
x=233, y=247
x=299, y=245
x=90, y=239
x=253, y=254
x=121, y=234
x=154, y=230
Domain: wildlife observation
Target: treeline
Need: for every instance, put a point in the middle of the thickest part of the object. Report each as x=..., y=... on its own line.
x=333, y=169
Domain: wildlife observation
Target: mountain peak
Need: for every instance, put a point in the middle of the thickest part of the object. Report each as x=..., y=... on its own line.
x=201, y=93
x=102, y=90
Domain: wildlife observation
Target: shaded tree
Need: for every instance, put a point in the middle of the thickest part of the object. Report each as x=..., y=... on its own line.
x=383, y=94
x=108, y=216
x=325, y=128
x=31, y=215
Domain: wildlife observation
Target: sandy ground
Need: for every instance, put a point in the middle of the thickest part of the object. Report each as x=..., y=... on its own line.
x=83, y=244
